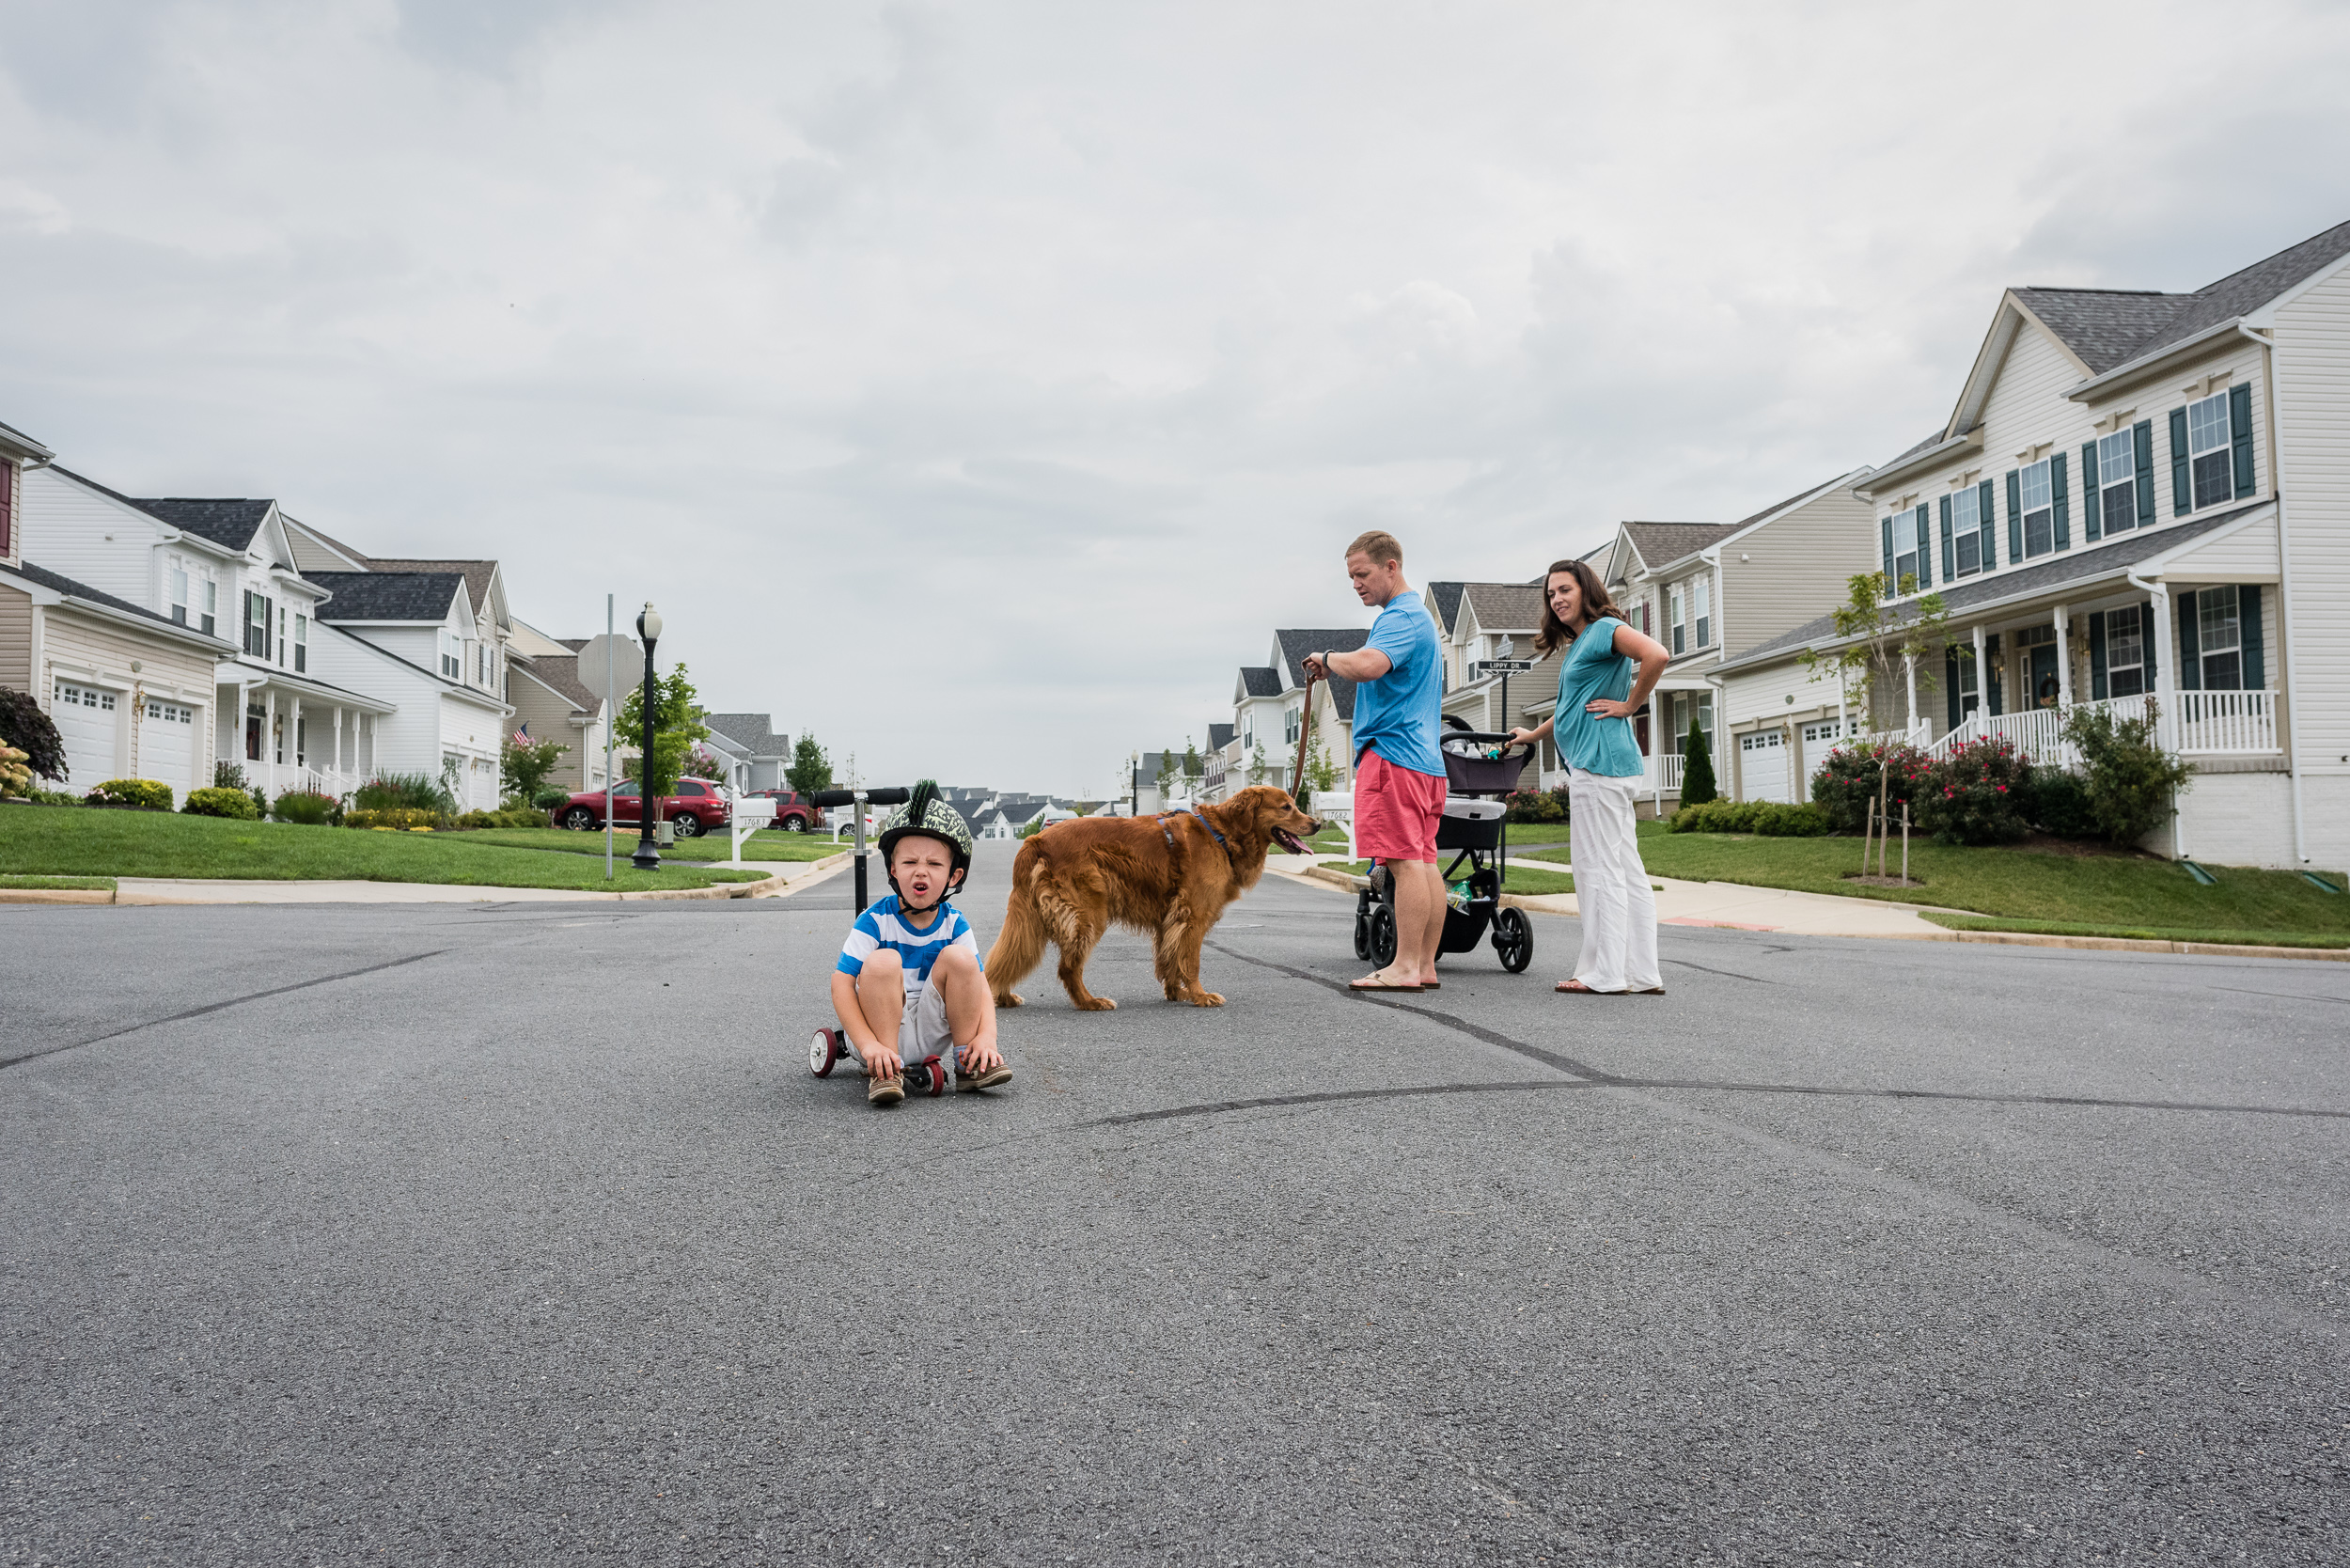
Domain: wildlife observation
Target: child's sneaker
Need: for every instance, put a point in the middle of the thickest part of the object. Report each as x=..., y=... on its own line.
x=886, y=1092
x=966, y=1083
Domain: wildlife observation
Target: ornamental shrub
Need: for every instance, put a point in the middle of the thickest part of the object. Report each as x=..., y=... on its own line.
x=308, y=807
x=1697, y=769
x=233, y=803
x=23, y=726
x=1770, y=818
x=1536, y=806
x=1846, y=785
x=2060, y=804
x=2132, y=782
x=228, y=775
x=414, y=791
x=399, y=817
x=133, y=792
x=1978, y=794
x=15, y=777
x=551, y=799
x=53, y=797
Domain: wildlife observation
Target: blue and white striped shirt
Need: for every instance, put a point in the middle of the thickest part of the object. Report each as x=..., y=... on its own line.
x=880, y=926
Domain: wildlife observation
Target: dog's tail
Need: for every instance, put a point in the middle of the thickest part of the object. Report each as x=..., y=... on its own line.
x=1021, y=943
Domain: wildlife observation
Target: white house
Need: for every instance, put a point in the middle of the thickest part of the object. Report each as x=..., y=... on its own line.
x=414, y=637
x=2137, y=497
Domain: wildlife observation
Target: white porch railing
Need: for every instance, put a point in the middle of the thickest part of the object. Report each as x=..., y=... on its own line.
x=1664, y=770
x=2204, y=723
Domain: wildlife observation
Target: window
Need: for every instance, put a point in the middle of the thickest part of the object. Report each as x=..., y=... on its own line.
x=2209, y=450
x=211, y=606
x=301, y=643
x=1967, y=521
x=176, y=592
x=85, y=697
x=2125, y=651
x=690, y=790
x=281, y=635
x=1687, y=708
x=2039, y=506
x=2116, y=481
x=624, y=792
x=1678, y=609
x=481, y=661
x=1289, y=726
x=169, y=713
x=255, y=714
x=256, y=627
x=2219, y=628
x=1969, y=681
x=1702, y=591
x=1910, y=570
x=453, y=655
x=1828, y=731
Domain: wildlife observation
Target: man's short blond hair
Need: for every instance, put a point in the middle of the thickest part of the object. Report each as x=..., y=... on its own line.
x=1379, y=546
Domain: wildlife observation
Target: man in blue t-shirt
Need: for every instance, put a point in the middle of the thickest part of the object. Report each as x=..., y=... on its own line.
x=1399, y=772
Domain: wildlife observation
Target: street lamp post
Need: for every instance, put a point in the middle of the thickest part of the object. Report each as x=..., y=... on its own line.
x=647, y=855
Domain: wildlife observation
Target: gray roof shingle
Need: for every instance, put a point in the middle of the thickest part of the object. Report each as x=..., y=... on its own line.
x=1444, y=601
x=1506, y=606
x=476, y=576
x=229, y=522
x=560, y=674
x=1220, y=736
x=2096, y=560
x=1661, y=543
x=388, y=595
x=754, y=732
x=1259, y=681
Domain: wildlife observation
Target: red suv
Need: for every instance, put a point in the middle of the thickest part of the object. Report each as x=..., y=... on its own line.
x=697, y=808
x=792, y=810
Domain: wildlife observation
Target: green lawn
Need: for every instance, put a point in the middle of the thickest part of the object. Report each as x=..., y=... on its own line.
x=1518, y=877
x=2145, y=933
x=67, y=840
x=765, y=844
x=57, y=884
x=2109, y=893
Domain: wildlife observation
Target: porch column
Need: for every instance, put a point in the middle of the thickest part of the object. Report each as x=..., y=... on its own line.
x=293, y=741
x=270, y=739
x=2064, y=659
x=1909, y=679
x=1983, y=677
x=2158, y=636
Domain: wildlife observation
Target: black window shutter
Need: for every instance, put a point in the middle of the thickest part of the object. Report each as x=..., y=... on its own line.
x=2182, y=494
x=2190, y=646
x=1926, y=549
x=1950, y=684
x=1949, y=550
x=2092, y=514
x=2014, y=521
x=2060, y=504
x=1986, y=516
x=2247, y=603
x=1991, y=684
x=2142, y=442
x=1890, y=585
x=2240, y=437
x=2097, y=656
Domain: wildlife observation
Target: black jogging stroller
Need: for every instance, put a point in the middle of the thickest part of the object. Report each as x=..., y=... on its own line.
x=1480, y=769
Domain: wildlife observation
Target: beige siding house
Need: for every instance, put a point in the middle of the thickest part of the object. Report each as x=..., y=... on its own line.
x=2138, y=498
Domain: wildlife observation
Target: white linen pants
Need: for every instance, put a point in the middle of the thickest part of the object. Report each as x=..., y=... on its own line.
x=1611, y=887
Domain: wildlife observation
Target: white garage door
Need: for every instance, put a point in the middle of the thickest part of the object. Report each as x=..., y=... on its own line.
x=1762, y=765
x=86, y=718
x=167, y=745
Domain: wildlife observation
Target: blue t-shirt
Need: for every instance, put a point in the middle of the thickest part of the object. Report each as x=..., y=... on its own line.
x=1593, y=669
x=880, y=926
x=1398, y=712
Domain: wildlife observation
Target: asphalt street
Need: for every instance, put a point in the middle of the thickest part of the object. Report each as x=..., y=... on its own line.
x=445, y=1234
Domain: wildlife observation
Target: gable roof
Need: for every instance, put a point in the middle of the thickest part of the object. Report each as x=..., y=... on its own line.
x=1660, y=544
x=1296, y=642
x=2097, y=560
x=232, y=523
x=1220, y=736
x=1259, y=681
x=312, y=547
x=1506, y=606
x=1443, y=600
x=561, y=675
x=478, y=575
x=418, y=596
x=753, y=733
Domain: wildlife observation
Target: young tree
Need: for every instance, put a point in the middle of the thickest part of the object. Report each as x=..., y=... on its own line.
x=810, y=769
x=524, y=763
x=1697, y=770
x=1192, y=771
x=676, y=725
x=1883, y=647
x=1166, y=780
x=1260, y=771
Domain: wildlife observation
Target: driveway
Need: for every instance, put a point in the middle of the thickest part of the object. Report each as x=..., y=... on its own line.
x=482, y=1233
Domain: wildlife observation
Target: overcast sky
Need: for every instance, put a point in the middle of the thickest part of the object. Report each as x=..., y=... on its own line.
x=977, y=386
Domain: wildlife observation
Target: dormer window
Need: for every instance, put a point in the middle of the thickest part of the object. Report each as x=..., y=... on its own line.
x=175, y=592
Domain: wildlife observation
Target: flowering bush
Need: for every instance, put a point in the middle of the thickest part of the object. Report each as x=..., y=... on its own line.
x=15, y=777
x=1846, y=785
x=308, y=807
x=219, y=802
x=151, y=792
x=1536, y=806
x=399, y=818
x=1981, y=793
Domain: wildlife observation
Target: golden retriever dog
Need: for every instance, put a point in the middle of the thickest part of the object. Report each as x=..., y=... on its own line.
x=1166, y=876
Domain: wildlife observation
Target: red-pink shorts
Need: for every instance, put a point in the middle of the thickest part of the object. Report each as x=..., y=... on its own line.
x=1396, y=810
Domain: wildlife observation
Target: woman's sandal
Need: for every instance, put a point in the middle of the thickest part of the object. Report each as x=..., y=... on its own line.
x=1577, y=988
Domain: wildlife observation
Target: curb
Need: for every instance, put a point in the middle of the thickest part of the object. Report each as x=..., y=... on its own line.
x=2137, y=945
x=57, y=895
x=1335, y=878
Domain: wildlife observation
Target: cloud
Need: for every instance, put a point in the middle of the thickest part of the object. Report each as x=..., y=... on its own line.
x=977, y=389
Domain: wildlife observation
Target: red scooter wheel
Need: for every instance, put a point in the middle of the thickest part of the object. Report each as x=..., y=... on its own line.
x=824, y=1052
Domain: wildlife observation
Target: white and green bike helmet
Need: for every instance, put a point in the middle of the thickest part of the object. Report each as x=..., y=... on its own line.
x=925, y=814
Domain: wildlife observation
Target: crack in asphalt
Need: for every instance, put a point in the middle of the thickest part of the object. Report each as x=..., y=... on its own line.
x=6, y=1062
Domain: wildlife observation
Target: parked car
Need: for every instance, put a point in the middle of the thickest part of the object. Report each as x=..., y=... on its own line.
x=792, y=809
x=698, y=806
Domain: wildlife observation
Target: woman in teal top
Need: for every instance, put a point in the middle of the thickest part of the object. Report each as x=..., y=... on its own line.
x=1599, y=690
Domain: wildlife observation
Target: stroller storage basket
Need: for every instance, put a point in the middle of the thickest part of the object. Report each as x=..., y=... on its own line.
x=1470, y=772
x=1469, y=823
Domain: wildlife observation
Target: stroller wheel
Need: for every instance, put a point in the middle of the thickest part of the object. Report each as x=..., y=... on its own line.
x=824, y=1052
x=1382, y=936
x=1362, y=934
x=1514, y=939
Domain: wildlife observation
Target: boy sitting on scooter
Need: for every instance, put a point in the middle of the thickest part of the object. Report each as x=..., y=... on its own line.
x=909, y=983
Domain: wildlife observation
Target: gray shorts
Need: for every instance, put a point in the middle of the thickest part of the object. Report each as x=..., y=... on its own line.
x=923, y=1029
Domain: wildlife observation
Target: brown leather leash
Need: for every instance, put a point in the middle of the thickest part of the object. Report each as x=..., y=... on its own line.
x=1305, y=732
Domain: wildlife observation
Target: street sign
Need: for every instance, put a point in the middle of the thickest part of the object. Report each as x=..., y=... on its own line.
x=1506, y=667
x=626, y=665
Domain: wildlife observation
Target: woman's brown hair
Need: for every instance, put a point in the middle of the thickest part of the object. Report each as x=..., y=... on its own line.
x=1556, y=633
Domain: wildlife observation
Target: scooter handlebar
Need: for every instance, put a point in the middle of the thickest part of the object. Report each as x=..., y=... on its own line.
x=898, y=797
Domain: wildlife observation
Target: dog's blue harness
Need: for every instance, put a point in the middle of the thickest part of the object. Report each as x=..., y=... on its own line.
x=1169, y=833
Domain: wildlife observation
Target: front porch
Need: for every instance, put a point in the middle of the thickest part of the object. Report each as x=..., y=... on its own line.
x=297, y=734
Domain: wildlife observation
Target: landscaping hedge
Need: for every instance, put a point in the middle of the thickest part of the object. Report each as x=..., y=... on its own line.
x=401, y=817
x=233, y=803
x=133, y=792
x=1772, y=819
